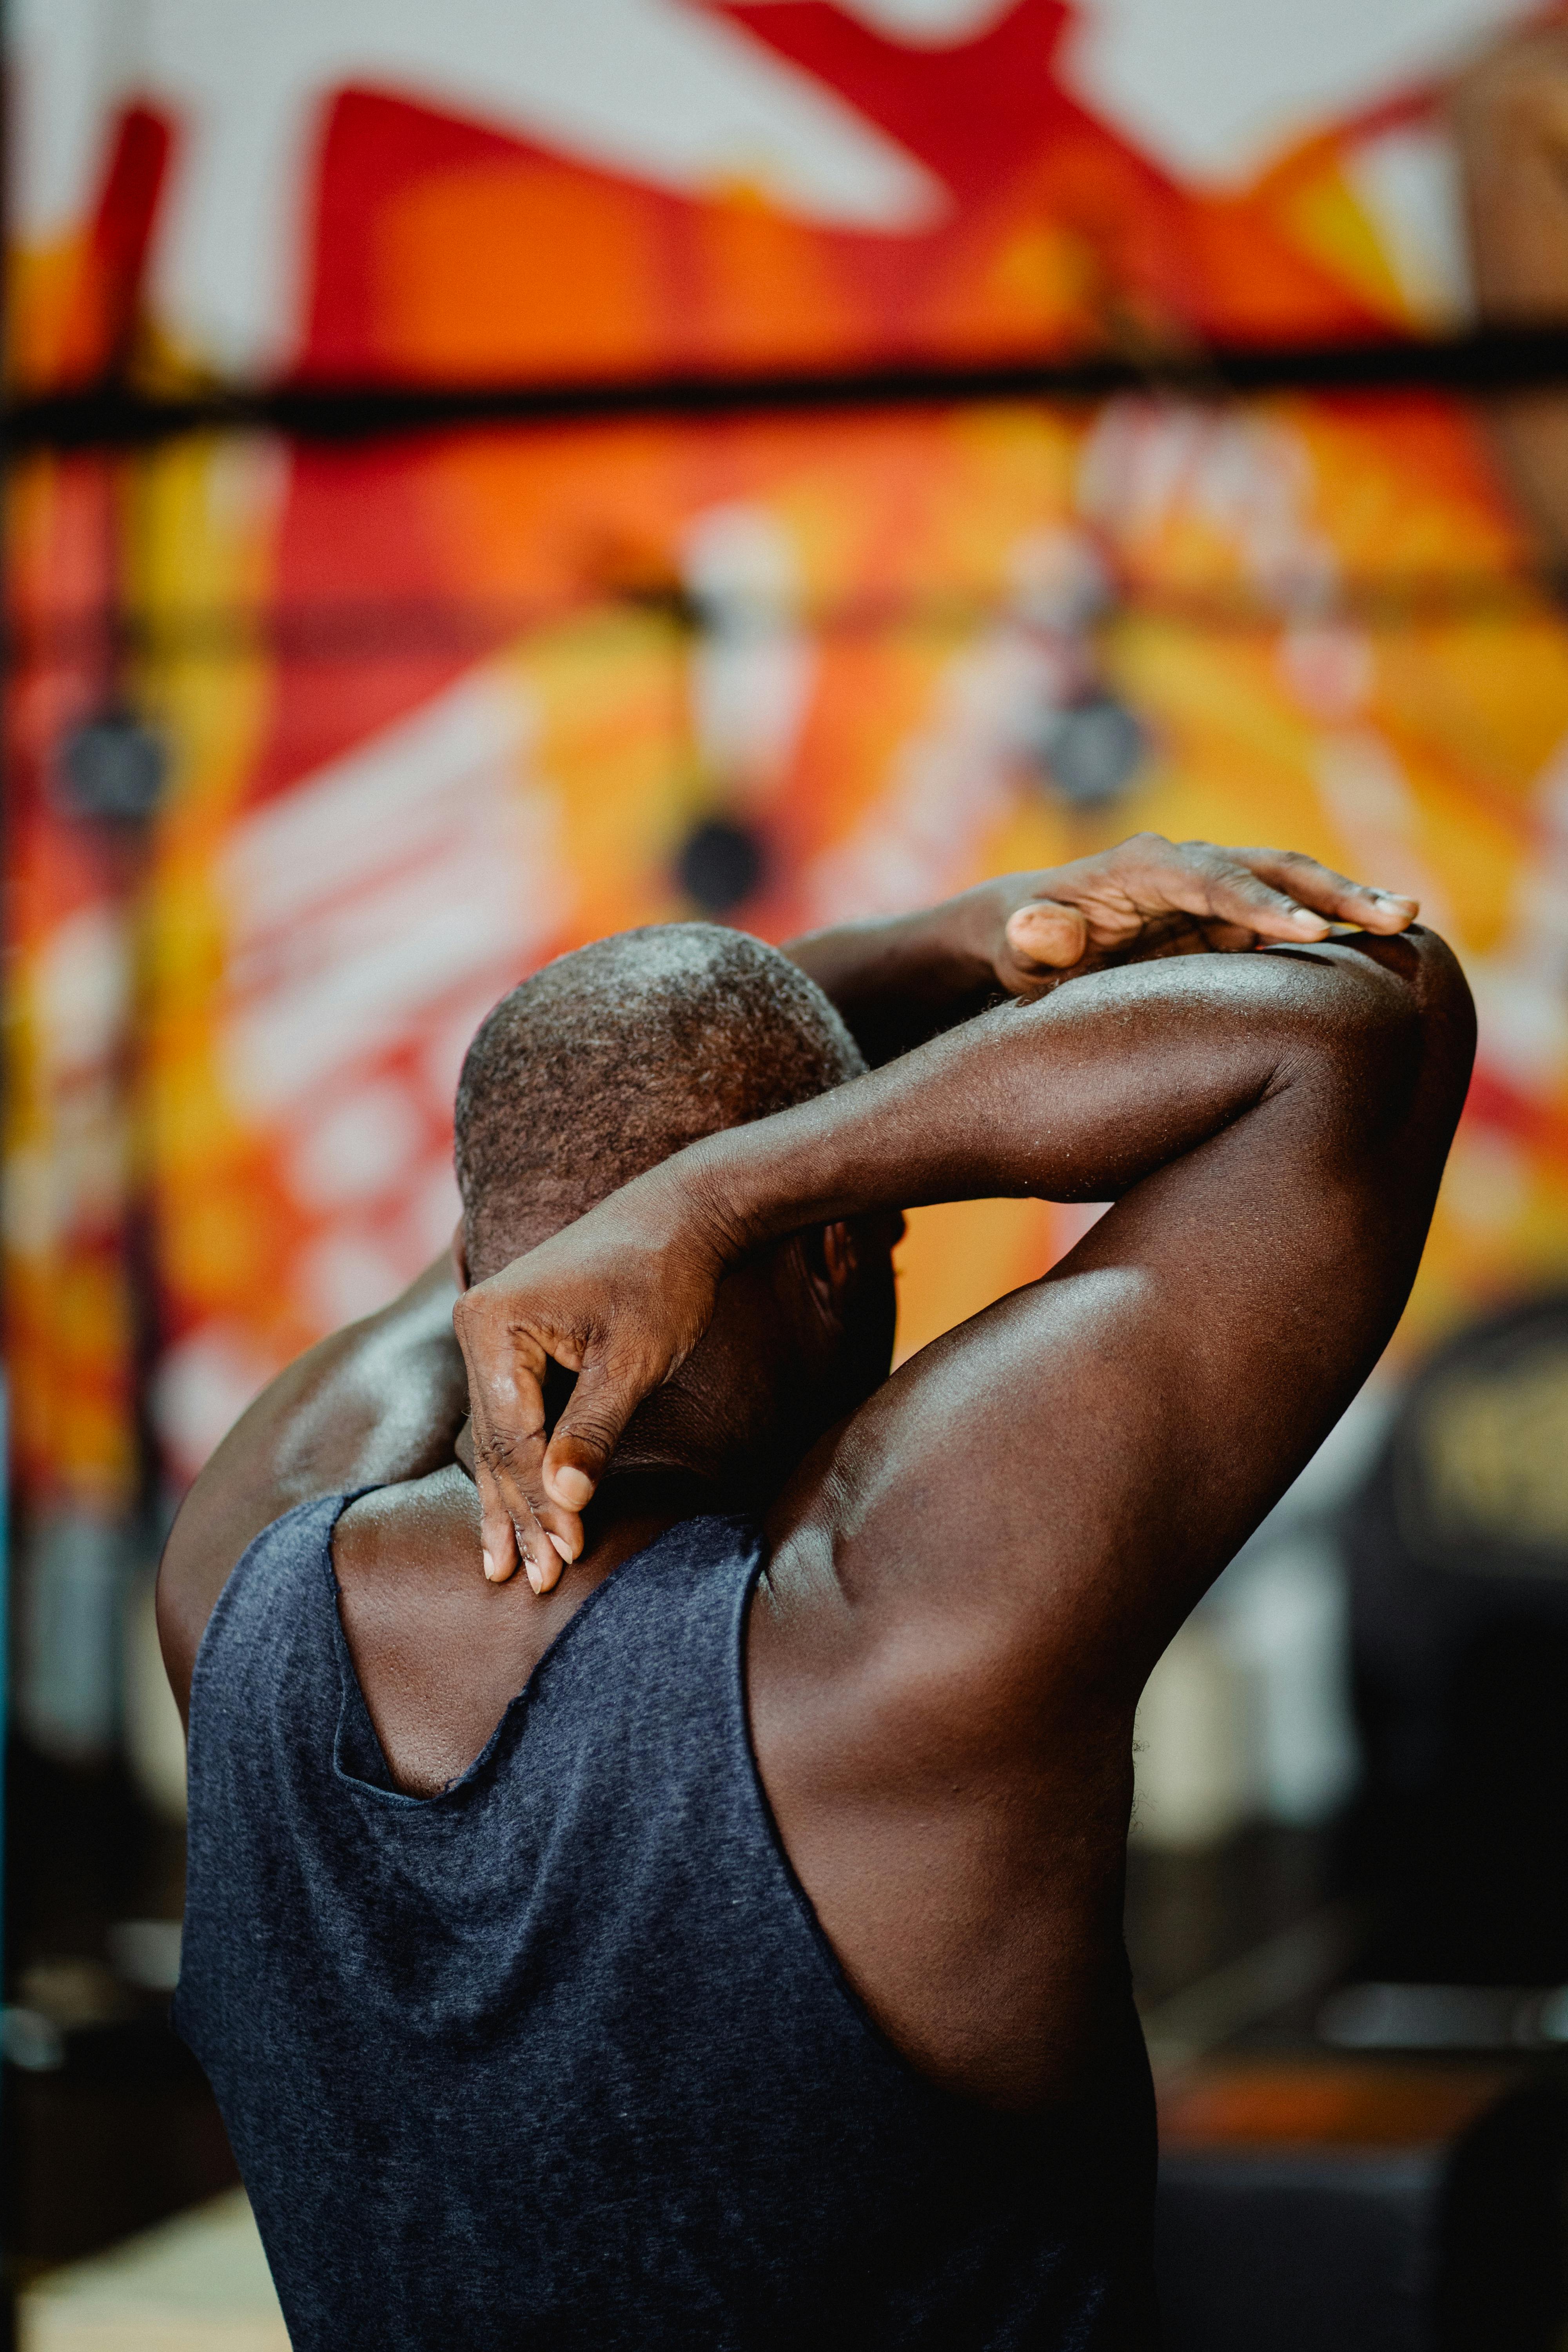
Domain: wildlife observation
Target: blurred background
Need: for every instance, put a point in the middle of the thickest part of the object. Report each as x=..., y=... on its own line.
x=481, y=476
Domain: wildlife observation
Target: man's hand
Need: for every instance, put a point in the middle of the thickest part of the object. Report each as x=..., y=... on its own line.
x=1152, y=897
x=900, y=979
x=620, y=1296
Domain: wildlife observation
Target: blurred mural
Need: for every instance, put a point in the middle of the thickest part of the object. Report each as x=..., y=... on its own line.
x=313, y=748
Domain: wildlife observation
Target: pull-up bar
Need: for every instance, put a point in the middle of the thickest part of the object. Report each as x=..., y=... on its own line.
x=1486, y=360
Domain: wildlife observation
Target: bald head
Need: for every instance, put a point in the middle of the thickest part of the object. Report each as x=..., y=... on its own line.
x=609, y=1059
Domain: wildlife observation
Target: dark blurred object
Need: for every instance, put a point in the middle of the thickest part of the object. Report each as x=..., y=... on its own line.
x=1445, y=2017
x=119, y=2133
x=721, y=864
x=1333, y=2207
x=1458, y=1555
x=113, y=767
x=1091, y=750
x=1193, y=1913
x=109, y=2124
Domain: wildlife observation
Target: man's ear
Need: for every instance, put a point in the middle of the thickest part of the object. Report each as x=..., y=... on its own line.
x=459, y=1257
x=836, y=1255
x=832, y=1265
x=826, y=1255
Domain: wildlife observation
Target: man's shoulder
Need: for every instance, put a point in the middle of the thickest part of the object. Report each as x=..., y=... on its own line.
x=424, y=1527
x=405, y=1557
x=225, y=1512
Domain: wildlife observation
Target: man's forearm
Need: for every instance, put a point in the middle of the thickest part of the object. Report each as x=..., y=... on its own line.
x=897, y=980
x=1075, y=1098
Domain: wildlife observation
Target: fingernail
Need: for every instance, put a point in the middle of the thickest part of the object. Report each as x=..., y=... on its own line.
x=562, y=1548
x=572, y=1487
x=535, y=1578
x=1391, y=905
x=490, y=1567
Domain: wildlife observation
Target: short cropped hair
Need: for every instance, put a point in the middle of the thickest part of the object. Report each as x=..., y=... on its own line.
x=610, y=1058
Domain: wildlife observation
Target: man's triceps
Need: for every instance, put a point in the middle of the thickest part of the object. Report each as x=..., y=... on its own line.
x=1075, y=1464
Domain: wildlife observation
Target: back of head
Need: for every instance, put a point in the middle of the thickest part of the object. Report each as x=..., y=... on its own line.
x=609, y=1059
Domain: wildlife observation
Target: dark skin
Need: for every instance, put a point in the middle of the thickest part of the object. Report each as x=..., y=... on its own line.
x=972, y=1565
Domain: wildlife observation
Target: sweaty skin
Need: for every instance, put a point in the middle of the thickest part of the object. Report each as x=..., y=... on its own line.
x=970, y=1574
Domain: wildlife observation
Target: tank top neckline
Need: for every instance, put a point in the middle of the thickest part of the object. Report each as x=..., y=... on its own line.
x=357, y=1726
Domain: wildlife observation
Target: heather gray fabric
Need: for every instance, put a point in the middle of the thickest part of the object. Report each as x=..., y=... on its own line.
x=559, y=2057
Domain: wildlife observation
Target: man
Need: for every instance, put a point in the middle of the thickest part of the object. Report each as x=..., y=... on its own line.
x=756, y=1976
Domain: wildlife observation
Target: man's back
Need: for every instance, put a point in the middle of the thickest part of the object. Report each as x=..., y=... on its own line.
x=965, y=1573
x=558, y=2053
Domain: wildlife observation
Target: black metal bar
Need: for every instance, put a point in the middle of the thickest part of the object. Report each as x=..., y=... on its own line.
x=1489, y=360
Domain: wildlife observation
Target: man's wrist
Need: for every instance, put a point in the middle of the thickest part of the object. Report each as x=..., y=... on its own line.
x=715, y=1201
x=900, y=979
x=733, y=1190
x=927, y=951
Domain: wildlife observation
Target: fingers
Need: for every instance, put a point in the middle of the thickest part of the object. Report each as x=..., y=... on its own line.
x=518, y=1520
x=589, y=1430
x=496, y=1534
x=1322, y=892
x=1237, y=895
x=1045, y=936
x=1274, y=894
x=517, y=1523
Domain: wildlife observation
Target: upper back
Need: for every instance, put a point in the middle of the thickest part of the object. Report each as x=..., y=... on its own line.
x=560, y=2051
x=438, y=1651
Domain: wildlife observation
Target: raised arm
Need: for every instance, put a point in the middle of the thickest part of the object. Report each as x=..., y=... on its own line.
x=381, y=1400
x=1273, y=1128
x=967, y=1588
x=1063, y=1475
x=899, y=981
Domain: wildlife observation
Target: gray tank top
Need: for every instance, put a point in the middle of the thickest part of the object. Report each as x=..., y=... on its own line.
x=560, y=2057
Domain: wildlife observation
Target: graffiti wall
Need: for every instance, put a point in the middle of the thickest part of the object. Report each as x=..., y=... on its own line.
x=414, y=713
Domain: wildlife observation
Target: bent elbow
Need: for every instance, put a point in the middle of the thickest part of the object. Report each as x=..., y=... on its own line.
x=1416, y=1040
x=1443, y=988
x=1443, y=1006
